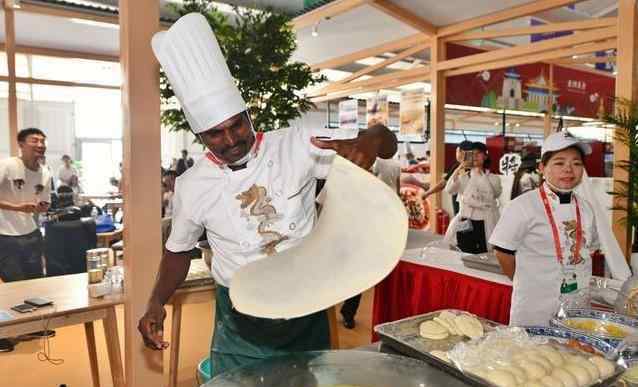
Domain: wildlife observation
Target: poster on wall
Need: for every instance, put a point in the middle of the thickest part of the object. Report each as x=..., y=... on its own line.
x=412, y=112
x=528, y=87
x=348, y=114
x=377, y=110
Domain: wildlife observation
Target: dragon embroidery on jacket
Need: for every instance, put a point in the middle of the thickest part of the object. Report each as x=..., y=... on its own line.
x=570, y=230
x=257, y=197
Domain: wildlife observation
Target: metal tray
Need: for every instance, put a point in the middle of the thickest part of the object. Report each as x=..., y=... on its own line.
x=485, y=262
x=403, y=336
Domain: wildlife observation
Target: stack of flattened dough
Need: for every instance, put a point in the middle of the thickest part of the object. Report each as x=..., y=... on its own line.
x=448, y=323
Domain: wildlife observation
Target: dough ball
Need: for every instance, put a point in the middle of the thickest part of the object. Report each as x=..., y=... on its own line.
x=446, y=324
x=469, y=326
x=532, y=369
x=542, y=360
x=501, y=378
x=432, y=330
x=580, y=373
x=565, y=377
x=441, y=355
x=518, y=372
x=605, y=367
x=592, y=370
x=551, y=354
x=551, y=381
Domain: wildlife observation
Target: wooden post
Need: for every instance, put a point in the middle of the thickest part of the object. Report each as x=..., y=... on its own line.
x=10, y=44
x=437, y=112
x=626, y=87
x=548, y=114
x=139, y=20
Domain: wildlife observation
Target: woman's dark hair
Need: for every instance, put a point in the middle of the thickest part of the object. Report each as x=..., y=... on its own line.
x=548, y=155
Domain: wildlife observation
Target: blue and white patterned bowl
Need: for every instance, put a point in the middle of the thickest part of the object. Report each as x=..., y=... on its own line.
x=628, y=324
x=562, y=335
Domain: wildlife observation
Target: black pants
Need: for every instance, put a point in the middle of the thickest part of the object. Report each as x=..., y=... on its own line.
x=473, y=242
x=21, y=257
x=350, y=306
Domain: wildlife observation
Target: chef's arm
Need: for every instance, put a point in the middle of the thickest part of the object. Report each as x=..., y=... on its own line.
x=506, y=260
x=172, y=272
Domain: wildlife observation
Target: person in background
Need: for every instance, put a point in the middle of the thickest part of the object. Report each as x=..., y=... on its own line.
x=168, y=189
x=25, y=189
x=478, y=191
x=184, y=163
x=545, y=237
x=67, y=174
x=526, y=178
x=388, y=171
x=461, y=149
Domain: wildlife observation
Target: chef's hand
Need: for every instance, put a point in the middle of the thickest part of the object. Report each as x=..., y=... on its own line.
x=151, y=326
x=377, y=141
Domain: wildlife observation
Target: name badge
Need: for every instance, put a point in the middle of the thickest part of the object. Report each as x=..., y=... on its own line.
x=569, y=281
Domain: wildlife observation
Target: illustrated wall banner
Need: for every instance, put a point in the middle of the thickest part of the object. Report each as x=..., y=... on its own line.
x=377, y=110
x=412, y=112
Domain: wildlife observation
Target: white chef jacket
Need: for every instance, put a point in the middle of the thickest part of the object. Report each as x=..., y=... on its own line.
x=525, y=228
x=248, y=214
x=477, y=197
x=19, y=184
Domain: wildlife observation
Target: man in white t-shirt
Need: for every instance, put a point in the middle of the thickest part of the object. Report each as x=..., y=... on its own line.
x=252, y=194
x=25, y=189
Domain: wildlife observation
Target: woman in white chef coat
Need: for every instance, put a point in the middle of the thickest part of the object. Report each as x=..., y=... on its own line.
x=545, y=237
x=477, y=192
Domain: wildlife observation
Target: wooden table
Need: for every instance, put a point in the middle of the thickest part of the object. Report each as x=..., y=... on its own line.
x=106, y=239
x=72, y=305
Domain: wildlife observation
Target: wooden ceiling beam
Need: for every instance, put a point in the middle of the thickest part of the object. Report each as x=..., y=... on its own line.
x=405, y=16
x=394, y=45
x=543, y=29
x=66, y=13
x=329, y=10
x=591, y=59
x=373, y=87
x=50, y=82
x=400, y=56
x=528, y=50
x=541, y=57
x=57, y=53
x=527, y=9
x=397, y=75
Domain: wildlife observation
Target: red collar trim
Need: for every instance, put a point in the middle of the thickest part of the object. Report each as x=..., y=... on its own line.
x=259, y=137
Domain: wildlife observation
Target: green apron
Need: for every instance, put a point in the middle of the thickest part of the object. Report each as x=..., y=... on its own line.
x=239, y=340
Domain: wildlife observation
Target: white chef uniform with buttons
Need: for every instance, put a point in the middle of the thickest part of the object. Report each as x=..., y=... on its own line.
x=524, y=227
x=209, y=197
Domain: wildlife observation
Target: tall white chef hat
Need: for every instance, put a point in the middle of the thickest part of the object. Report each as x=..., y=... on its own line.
x=191, y=58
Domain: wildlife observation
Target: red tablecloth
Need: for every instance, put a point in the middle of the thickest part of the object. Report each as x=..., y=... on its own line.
x=413, y=289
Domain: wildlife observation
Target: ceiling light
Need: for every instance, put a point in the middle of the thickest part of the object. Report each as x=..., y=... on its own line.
x=315, y=31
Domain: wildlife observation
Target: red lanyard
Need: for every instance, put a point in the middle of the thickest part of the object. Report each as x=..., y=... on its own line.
x=258, y=139
x=552, y=222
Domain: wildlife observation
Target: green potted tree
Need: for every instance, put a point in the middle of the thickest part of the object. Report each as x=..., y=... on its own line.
x=625, y=118
x=258, y=45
